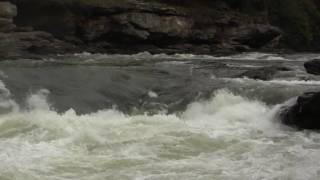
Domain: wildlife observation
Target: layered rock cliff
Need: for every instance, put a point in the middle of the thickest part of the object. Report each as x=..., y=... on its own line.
x=159, y=26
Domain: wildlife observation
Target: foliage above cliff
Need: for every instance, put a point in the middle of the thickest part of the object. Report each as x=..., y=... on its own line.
x=300, y=19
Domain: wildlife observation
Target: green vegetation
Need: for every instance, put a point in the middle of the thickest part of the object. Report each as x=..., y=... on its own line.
x=300, y=19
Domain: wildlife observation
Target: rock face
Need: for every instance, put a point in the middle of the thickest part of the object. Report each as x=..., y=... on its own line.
x=132, y=26
x=305, y=113
x=162, y=26
x=313, y=66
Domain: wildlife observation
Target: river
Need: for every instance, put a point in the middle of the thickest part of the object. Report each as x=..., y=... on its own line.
x=153, y=117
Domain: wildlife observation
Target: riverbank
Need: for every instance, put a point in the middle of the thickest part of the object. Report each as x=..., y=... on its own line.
x=59, y=27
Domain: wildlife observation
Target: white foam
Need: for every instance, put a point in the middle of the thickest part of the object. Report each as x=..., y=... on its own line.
x=152, y=94
x=147, y=55
x=275, y=81
x=6, y=103
x=254, y=56
x=243, y=66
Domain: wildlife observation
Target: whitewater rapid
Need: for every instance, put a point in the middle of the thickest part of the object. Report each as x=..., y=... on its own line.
x=233, y=133
x=225, y=137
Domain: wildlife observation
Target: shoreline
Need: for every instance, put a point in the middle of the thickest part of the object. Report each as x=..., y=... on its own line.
x=120, y=28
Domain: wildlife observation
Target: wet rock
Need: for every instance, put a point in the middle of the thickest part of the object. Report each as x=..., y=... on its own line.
x=305, y=113
x=264, y=73
x=313, y=66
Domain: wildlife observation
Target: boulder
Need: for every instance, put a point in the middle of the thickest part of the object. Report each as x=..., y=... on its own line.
x=313, y=66
x=305, y=113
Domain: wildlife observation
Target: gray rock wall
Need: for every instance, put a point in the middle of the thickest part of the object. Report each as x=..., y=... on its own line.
x=127, y=28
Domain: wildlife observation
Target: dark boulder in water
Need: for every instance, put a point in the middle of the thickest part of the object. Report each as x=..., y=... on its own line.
x=305, y=113
x=313, y=66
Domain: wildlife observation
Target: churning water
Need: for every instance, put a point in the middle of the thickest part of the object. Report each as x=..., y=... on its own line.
x=227, y=128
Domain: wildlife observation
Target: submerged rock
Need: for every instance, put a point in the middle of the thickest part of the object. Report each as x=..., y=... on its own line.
x=313, y=66
x=305, y=113
x=264, y=73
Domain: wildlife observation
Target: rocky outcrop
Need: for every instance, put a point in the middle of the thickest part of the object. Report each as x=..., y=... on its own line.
x=313, y=66
x=305, y=113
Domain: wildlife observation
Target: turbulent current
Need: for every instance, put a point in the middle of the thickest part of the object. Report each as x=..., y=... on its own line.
x=153, y=117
